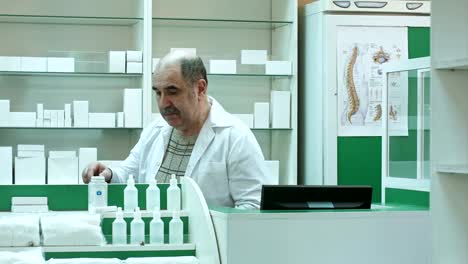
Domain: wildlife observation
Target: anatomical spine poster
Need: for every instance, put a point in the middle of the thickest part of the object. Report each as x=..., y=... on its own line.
x=361, y=52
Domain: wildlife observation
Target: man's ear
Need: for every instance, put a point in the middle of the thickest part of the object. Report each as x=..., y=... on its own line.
x=202, y=88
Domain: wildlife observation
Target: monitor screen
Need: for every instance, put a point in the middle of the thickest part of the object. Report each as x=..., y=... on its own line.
x=303, y=197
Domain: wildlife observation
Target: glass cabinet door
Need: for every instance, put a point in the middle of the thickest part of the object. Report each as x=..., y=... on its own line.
x=406, y=135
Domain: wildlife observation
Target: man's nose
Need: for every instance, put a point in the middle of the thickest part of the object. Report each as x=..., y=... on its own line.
x=164, y=101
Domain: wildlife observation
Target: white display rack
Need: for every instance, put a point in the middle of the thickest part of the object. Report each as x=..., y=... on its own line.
x=144, y=213
x=89, y=30
x=200, y=238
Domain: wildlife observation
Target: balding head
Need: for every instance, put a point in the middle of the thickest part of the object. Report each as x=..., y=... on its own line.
x=190, y=66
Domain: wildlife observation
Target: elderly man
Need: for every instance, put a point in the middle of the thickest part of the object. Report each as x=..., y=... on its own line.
x=198, y=139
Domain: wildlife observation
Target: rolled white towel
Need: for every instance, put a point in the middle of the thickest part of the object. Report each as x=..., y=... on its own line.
x=71, y=230
x=85, y=261
x=19, y=230
x=32, y=256
x=163, y=260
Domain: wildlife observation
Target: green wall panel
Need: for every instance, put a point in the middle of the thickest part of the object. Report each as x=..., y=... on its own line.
x=73, y=197
x=359, y=158
x=359, y=161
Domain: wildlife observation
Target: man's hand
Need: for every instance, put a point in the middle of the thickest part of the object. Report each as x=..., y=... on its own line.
x=96, y=169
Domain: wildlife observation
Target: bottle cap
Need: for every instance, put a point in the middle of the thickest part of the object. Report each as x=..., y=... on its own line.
x=119, y=213
x=173, y=180
x=175, y=214
x=156, y=213
x=137, y=213
x=97, y=179
x=131, y=179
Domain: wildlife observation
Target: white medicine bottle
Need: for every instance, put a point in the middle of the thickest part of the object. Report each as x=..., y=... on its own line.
x=130, y=195
x=119, y=229
x=97, y=193
x=156, y=228
x=137, y=229
x=173, y=195
x=152, y=196
x=176, y=229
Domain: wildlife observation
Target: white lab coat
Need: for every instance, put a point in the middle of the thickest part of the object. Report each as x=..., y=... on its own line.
x=226, y=161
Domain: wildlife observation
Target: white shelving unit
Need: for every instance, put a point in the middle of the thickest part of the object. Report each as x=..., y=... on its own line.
x=449, y=126
x=88, y=30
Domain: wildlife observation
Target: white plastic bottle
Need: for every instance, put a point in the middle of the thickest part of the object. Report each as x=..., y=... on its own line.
x=156, y=228
x=97, y=193
x=119, y=229
x=152, y=196
x=137, y=229
x=176, y=229
x=130, y=195
x=173, y=195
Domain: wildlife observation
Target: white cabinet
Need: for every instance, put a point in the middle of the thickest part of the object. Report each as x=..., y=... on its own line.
x=85, y=31
x=88, y=30
x=323, y=36
x=449, y=126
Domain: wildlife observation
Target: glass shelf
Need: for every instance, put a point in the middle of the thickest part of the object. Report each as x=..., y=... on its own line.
x=271, y=129
x=249, y=75
x=73, y=20
x=453, y=169
x=75, y=128
x=219, y=23
x=71, y=74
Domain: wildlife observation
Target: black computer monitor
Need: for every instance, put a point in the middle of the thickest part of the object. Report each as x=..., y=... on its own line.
x=303, y=197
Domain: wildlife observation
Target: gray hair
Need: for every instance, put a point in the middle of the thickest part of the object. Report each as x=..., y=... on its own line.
x=193, y=69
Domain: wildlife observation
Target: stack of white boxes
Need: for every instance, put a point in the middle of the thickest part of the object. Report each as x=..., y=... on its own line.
x=6, y=165
x=80, y=113
x=56, y=64
x=4, y=113
x=223, y=66
x=62, y=167
x=30, y=165
x=117, y=61
x=130, y=61
x=15, y=119
x=261, y=115
x=86, y=156
x=102, y=120
x=134, y=61
x=29, y=205
x=280, y=109
x=37, y=64
x=133, y=108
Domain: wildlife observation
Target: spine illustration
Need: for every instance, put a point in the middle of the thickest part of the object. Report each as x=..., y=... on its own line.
x=352, y=94
x=378, y=112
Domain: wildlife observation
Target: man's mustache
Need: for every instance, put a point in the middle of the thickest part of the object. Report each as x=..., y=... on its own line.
x=169, y=110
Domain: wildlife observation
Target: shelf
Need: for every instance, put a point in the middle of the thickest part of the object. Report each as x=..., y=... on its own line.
x=249, y=75
x=107, y=248
x=271, y=129
x=74, y=128
x=458, y=64
x=144, y=213
x=71, y=74
x=453, y=169
x=219, y=23
x=73, y=20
